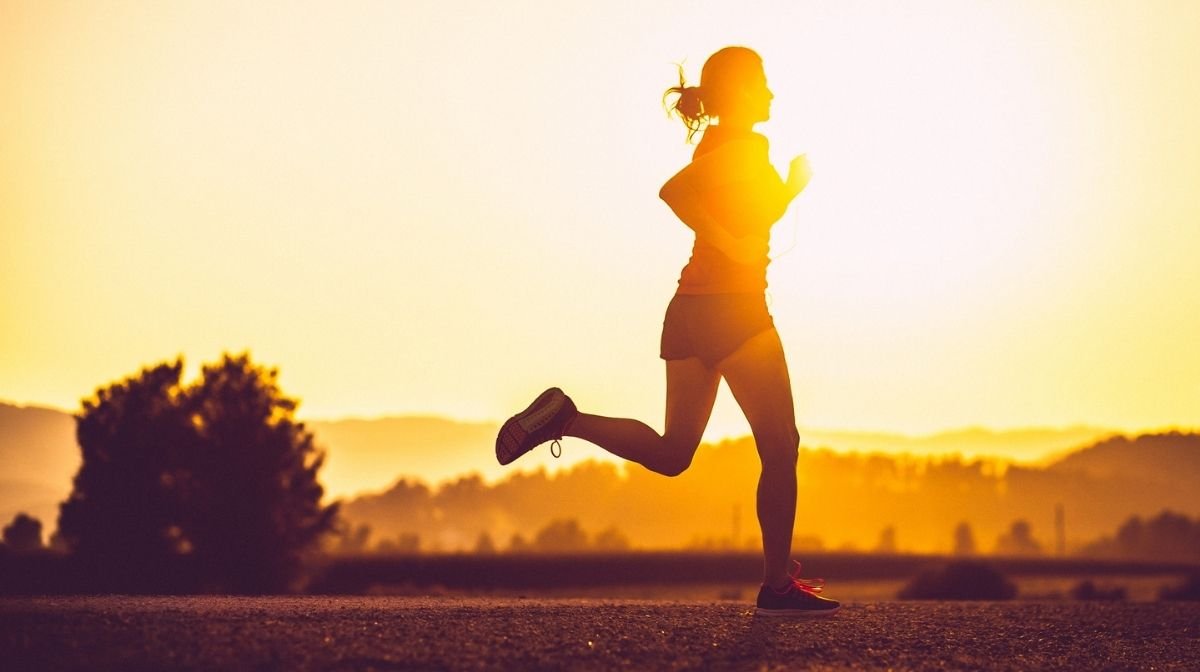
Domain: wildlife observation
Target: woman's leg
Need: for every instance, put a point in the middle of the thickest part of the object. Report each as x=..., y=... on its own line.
x=757, y=375
x=691, y=392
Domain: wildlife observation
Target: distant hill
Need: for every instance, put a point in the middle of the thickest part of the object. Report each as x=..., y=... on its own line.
x=1032, y=445
x=845, y=499
x=1170, y=456
x=38, y=458
x=370, y=455
x=38, y=454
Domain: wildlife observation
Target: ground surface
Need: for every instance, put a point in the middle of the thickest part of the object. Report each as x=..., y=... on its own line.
x=401, y=633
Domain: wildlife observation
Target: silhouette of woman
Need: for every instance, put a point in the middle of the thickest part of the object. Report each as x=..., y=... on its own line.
x=717, y=324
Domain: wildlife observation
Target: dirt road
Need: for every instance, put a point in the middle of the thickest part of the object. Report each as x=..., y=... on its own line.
x=403, y=633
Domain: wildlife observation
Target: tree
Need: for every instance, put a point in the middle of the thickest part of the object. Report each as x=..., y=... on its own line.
x=1168, y=536
x=887, y=540
x=517, y=544
x=484, y=544
x=211, y=486
x=563, y=535
x=964, y=539
x=23, y=534
x=1018, y=540
x=350, y=539
x=960, y=580
x=611, y=540
x=257, y=499
x=123, y=514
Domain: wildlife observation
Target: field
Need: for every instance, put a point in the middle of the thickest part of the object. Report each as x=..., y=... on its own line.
x=403, y=633
x=680, y=575
x=631, y=611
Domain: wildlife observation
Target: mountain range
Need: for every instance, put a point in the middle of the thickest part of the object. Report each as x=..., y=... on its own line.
x=847, y=501
x=39, y=456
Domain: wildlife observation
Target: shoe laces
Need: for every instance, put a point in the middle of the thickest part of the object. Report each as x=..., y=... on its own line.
x=813, y=586
x=556, y=445
x=542, y=416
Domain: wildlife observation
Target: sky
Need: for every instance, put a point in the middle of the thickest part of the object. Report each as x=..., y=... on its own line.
x=445, y=207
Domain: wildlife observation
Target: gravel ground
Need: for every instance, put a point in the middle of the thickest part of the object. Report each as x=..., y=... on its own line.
x=403, y=633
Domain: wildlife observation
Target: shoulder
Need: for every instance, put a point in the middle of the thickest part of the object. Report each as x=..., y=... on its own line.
x=744, y=152
x=754, y=143
x=759, y=139
x=716, y=137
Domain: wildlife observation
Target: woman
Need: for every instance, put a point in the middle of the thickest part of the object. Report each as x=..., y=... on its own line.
x=717, y=325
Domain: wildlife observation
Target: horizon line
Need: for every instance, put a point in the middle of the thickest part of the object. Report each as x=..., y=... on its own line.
x=946, y=430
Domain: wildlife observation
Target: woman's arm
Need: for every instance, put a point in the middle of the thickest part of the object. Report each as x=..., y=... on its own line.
x=774, y=195
x=743, y=166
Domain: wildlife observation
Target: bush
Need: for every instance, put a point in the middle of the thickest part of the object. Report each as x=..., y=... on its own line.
x=207, y=487
x=1189, y=590
x=23, y=534
x=1086, y=590
x=960, y=580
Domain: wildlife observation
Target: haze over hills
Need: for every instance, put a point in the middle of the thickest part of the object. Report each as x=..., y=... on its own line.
x=38, y=458
x=847, y=501
x=370, y=455
x=38, y=455
x=1032, y=445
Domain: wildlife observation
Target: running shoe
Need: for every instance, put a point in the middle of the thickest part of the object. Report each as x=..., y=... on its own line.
x=543, y=421
x=798, y=598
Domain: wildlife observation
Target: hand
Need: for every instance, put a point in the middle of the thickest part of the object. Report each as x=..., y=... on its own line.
x=799, y=173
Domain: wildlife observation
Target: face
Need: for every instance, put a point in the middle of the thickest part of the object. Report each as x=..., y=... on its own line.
x=750, y=102
x=757, y=98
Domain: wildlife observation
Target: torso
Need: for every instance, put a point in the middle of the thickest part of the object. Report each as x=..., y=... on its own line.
x=709, y=271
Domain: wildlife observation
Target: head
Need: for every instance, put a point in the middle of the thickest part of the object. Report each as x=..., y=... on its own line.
x=733, y=89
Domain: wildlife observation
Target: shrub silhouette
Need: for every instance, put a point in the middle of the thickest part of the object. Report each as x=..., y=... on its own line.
x=1018, y=540
x=1189, y=590
x=964, y=539
x=1167, y=536
x=960, y=580
x=611, y=540
x=561, y=536
x=207, y=487
x=1087, y=590
x=23, y=534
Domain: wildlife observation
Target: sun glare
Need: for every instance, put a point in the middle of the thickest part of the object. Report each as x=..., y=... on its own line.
x=367, y=205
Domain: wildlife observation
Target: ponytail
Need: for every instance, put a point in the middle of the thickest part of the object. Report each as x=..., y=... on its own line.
x=722, y=79
x=688, y=106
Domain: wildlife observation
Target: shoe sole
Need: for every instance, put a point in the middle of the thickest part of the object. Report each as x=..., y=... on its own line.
x=801, y=613
x=506, y=428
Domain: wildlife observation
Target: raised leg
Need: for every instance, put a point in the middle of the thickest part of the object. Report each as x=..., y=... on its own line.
x=691, y=392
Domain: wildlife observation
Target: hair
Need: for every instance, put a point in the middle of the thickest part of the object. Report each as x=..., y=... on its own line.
x=721, y=75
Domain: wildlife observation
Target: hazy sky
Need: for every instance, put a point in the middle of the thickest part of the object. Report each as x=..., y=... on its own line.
x=444, y=207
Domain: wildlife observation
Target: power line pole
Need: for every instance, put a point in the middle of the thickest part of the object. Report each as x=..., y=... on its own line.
x=1060, y=530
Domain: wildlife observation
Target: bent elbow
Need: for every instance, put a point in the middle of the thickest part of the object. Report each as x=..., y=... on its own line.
x=666, y=193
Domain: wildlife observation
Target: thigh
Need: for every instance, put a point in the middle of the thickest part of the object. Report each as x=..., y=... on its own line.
x=757, y=374
x=691, y=393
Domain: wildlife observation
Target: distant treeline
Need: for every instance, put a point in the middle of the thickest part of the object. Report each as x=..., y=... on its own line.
x=847, y=502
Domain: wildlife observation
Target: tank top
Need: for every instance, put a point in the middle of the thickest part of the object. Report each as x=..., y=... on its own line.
x=737, y=204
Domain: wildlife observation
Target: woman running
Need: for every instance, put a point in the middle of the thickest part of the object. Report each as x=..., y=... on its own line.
x=717, y=325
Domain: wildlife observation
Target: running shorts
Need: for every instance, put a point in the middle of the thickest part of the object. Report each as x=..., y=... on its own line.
x=712, y=326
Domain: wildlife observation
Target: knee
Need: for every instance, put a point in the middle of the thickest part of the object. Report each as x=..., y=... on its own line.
x=677, y=457
x=674, y=466
x=779, y=449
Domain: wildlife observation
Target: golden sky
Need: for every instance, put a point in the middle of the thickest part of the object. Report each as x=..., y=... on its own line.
x=444, y=207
